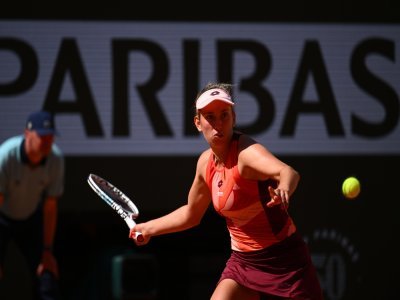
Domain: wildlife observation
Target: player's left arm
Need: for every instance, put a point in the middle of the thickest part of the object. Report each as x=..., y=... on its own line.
x=258, y=163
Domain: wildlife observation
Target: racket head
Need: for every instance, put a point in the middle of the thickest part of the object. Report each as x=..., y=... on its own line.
x=111, y=194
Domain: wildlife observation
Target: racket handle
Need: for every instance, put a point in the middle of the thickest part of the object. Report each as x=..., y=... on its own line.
x=139, y=236
x=131, y=224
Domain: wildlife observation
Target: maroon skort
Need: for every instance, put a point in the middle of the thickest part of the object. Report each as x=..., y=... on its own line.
x=284, y=269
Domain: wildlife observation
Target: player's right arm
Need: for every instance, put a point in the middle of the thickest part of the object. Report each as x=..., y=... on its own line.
x=186, y=216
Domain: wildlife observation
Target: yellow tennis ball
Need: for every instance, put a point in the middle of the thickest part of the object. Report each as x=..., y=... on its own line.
x=351, y=187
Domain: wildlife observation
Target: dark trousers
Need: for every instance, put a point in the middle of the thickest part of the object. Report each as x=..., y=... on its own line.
x=28, y=236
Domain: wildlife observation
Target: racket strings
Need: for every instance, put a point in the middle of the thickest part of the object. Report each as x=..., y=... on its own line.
x=116, y=195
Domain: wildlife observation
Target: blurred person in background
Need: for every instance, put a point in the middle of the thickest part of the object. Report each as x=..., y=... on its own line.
x=31, y=181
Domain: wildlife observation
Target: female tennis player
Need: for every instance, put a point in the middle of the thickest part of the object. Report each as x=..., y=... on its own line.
x=251, y=189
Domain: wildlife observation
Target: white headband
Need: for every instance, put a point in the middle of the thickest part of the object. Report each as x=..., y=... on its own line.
x=210, y=95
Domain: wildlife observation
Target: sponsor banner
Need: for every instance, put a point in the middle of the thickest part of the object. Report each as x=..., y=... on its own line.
x=127, y=88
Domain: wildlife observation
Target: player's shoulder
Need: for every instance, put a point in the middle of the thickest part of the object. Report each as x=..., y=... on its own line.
x=203, y=159
x=204, y=156
x=245, y=141
x=249, y=149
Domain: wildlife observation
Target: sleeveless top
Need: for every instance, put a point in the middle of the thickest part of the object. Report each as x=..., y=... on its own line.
x=242, y=202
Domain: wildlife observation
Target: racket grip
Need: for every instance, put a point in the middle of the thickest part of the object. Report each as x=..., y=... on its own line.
x=139, y=236
x=131, y=224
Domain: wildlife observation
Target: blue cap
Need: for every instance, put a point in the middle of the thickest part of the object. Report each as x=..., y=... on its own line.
x=42, y=122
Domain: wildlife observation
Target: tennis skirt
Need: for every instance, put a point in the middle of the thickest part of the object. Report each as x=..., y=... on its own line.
x=284, y=269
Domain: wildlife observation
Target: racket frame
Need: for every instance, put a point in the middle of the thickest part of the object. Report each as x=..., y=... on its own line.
x=128, y=216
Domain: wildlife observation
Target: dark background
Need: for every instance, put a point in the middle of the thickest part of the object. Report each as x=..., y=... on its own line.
x=190, y=262
x=90, y=235
x=371, y=11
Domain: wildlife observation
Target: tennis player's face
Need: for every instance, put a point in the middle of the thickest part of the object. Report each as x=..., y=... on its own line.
x=216, y=122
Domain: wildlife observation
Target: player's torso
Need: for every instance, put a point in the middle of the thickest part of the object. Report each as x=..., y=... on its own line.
x=242, y=202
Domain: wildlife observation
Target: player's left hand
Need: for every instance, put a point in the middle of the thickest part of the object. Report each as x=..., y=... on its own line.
x=48, y=263
x=278, y=197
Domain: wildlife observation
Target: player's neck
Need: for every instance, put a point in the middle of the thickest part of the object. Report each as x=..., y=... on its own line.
x=221, y=153
x=220, y=157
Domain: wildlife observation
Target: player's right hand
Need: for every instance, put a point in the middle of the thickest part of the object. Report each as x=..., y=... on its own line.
x=139, y=239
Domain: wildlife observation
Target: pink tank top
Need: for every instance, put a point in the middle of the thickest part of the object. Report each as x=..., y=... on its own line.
x=242, y=202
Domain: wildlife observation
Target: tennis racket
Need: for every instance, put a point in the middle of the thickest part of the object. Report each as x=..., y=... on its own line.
x=124, y=206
